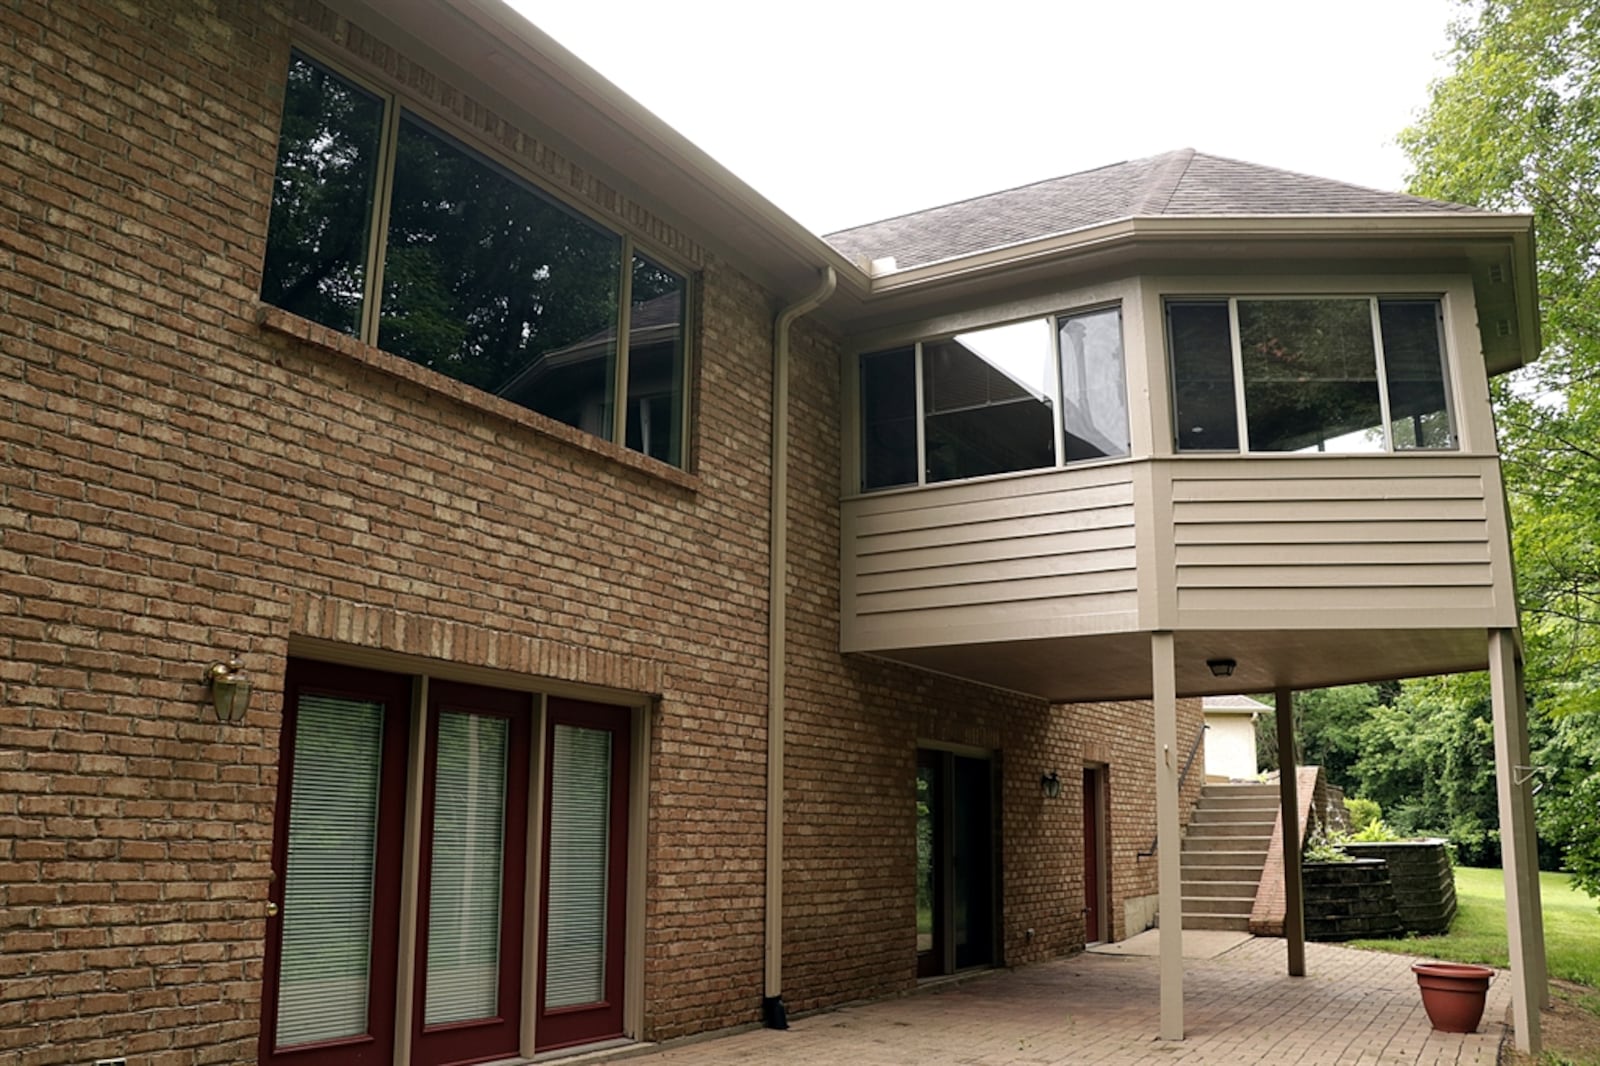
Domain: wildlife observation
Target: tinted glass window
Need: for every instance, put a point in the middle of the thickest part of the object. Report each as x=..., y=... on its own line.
x=322, y=197
x=1310, y=375
x=656, y=361
x=889, y=419
x=496, y=285
x=987, y=402
x=1413, y=363
x=1094, y=392
x=1204, y=405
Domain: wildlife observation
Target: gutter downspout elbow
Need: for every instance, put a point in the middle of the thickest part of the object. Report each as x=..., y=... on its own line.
x=772, y=1009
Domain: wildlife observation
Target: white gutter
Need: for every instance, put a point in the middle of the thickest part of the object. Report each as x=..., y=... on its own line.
x=772, y=1008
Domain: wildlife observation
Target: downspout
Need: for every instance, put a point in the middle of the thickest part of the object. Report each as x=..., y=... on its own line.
x=772, y=1009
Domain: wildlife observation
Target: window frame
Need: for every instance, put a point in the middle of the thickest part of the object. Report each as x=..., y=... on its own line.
x=396, y=101
x=1053, y=320
x=1374, y=300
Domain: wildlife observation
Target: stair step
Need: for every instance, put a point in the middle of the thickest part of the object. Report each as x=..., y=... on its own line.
x=1207, y=815
x=1234, y=789
x=1239, y=803
x=1239, y=923
x=1198, y=889
x=1233, y=875
x=1222, y=853
x=1232, y=828
x=1218, y=905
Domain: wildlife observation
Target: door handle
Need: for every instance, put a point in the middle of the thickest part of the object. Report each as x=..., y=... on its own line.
x=272, y=909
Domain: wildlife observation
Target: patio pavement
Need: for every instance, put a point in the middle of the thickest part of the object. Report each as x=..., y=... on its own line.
x=1239, y=1007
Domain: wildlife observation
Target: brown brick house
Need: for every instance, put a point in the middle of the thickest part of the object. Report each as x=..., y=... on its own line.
x=606, y=684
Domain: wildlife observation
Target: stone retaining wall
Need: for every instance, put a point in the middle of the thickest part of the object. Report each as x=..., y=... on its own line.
x=1423, y=880
x=1346, y=900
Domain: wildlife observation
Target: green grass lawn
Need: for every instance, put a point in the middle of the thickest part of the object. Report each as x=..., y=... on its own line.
x=1571, y=927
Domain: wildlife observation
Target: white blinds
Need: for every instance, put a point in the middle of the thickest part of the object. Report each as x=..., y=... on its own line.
x=328, y=879
x=468, y=844
x=580, y=815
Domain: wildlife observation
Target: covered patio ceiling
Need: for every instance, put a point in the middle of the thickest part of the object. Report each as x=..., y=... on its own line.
x=1117, y=666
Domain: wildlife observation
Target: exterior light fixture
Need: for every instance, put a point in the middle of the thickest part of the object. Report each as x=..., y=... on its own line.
x=1050, y=785
x=230, y=689
x=1221, y=667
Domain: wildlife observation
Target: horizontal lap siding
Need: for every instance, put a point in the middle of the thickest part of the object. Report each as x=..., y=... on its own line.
x=1053, y=552
x=1355, y=541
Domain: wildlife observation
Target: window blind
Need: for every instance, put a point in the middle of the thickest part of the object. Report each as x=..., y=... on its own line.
x=324, y=971
x=463, y=972
x=580, y=818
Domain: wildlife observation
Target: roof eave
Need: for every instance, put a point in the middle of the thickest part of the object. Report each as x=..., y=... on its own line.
x=587, y=117
x=1467, y=231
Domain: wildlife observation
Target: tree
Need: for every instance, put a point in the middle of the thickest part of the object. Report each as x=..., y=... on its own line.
x=1515, y=125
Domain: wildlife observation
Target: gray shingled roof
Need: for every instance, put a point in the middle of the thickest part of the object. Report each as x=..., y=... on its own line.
x=1184, y=182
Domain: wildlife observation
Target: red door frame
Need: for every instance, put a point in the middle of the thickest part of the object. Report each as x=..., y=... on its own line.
x=499, y=1037
x=376, y=1046
x=1094, y=854
x=588, y=1023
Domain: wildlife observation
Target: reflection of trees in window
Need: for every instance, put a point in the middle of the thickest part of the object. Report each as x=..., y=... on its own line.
x=1311, y=374
x=321, y=198
x=484, y=278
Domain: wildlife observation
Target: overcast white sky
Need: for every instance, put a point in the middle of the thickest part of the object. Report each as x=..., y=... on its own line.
x=848, y=111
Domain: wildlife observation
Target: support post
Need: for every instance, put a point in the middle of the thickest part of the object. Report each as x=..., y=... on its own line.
x=1294, y=910
x=1536, y=961
x=1518, y=853
x=1163, y=667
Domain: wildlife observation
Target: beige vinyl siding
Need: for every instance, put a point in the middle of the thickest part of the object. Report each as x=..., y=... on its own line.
x=1314, y=542
x=1037, y=555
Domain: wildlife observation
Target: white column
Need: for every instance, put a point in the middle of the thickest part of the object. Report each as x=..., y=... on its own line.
x=1165, y=685
x=1294, y=912
x=1518, y=853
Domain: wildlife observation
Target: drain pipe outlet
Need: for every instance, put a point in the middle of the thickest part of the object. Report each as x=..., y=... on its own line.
x=773, y=1012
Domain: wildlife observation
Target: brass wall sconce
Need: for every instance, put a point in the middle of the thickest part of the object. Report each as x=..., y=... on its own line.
x=1050, y=785
x=1222, y=667
x=230, y=689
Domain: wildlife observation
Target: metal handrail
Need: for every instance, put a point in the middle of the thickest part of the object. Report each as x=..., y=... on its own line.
x=1193, y=748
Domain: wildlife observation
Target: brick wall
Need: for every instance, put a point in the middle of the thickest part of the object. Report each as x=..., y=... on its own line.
x=183, y=475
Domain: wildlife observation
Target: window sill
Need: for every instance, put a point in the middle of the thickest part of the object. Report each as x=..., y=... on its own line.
x=284, y=323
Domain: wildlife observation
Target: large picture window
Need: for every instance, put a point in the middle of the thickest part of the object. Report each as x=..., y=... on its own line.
x=452, y=261
x=1022, y=396
x=1329, y=374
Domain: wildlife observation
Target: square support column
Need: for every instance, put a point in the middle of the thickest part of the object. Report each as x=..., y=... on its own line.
x=1294, y=908
x=1163, y=665
x=1518, y=851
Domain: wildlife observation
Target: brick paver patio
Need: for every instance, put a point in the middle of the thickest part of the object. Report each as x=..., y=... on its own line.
x=1241, y=1007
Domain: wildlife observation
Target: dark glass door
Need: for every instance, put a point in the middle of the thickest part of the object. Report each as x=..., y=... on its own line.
x=955, y=863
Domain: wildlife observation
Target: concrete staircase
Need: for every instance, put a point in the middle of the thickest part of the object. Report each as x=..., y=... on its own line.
x=1223, y=854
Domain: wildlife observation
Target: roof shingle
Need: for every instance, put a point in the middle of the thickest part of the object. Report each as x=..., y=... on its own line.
x=1184, y=182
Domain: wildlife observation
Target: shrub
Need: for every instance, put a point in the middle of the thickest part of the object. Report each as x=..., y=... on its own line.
x=1376, y=831
x=1362, y=813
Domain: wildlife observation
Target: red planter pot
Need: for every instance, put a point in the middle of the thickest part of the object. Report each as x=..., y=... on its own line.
x=1453, y=994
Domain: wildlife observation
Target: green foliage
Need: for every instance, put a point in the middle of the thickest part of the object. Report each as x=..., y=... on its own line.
x=1322, y=848
x=1428, y=761
x=1516, y=125
x=1376, y=831
x=1327, y=723
x=1362, y=812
